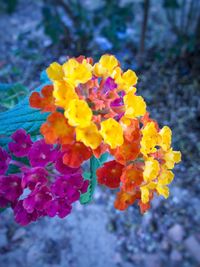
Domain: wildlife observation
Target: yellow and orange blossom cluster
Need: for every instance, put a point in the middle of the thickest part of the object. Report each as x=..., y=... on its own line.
x=95, y=109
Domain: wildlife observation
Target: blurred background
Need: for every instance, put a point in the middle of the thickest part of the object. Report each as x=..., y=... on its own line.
x=160, y=40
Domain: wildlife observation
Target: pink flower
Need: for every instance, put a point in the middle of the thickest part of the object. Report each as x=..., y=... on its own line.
x=10, y=188
x=53, y=186
x=22, y=143
x=33, y=176
x=41, y=154
x=59, y=207
x=37, y=199
x=4, y=161
x=64, y=188
x=22, y=216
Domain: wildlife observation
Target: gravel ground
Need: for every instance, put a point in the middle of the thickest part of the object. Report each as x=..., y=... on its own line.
x=80, y=240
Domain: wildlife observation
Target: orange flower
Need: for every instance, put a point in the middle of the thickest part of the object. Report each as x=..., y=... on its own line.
x=131, y=177
x=131, y=128
x=88, y=59
x=124, y=199
x=76, y=154
x=57, y=129
x=144, y=207
x=128, y=151
x=100, y=150
x=146, y=119
x=45, y=101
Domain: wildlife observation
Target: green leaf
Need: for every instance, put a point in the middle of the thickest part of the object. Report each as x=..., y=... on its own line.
x=21, y=116
x=91, y=176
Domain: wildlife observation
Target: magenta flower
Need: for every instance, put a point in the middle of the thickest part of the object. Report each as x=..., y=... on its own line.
x=84, y=187
x=22, y=216
x=10, y=188
x=52, y=190
x=64, y=208
x=69, y=187
x=37, y=199
x=119, y=101
x=52, y=208
x=22, y=143
x=33, y=176
x=41, y=154
x=62, y=188
x=3, y=202
x=76, y=181
x=59, y=207
x=4, y=161
x=109, y=85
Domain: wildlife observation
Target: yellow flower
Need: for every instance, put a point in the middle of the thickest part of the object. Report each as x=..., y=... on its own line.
x=76, y=73
x=130, y=78
x=160, y=184
x=63, y=93
x=150, y=139
x=126, y=81
x=145, y=191
x=117, y=75
x=162, y=190
x=125, y=122
x=112, y=133
x=166, y=136
x=135, y=106
x=89, y=135
x=151, y=169
x=171, y=158
x=78, y=113
x=165, y=177
x=55, y=72
x=105, y=66
x=144, y=194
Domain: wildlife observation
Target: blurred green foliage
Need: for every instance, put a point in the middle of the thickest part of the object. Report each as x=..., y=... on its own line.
x=171, y=4
x=81, y=26
x=77, y=24
x=52, y=23
x=11, y=94
x=184, y=19
x=118, y=17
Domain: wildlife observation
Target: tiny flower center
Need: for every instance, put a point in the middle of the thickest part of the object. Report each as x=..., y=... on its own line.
x=43, y=156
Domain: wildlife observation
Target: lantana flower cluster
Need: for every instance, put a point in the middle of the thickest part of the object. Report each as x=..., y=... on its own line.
x=42, y=185
x=94, y=108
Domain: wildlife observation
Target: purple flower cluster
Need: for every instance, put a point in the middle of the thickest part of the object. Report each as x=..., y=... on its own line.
x=4, y=161
x=45, y=187
x=21, y=143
